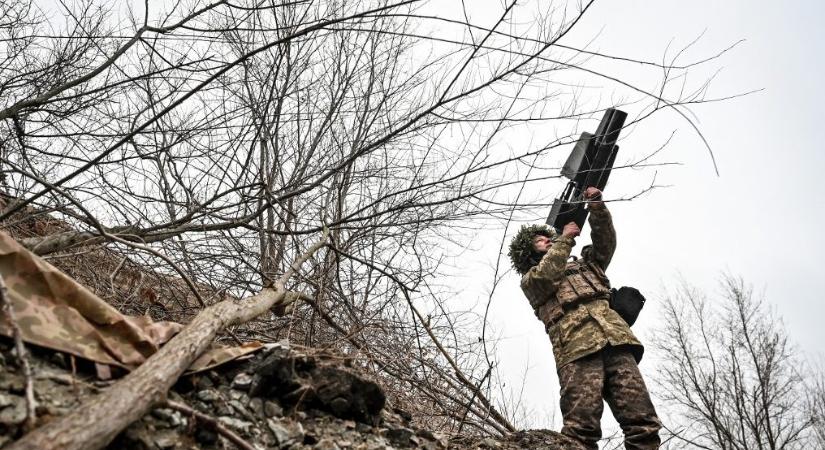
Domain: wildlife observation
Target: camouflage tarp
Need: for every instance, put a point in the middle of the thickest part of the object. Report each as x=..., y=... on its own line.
x=54, y=311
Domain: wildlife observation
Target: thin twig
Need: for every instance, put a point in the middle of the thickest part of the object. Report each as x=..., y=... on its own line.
x=213, y=423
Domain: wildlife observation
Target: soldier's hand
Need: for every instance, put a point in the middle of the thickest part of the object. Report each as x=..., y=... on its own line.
x=594, y=197
x=571, y=230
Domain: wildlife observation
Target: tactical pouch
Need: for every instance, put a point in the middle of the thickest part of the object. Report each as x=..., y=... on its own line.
x=628, y=302
x=582, y=282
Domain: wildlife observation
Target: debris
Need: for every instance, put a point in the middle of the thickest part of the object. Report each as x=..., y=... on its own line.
x=300, y=380
x=210, y=412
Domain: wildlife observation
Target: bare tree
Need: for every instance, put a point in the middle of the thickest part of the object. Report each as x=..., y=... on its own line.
x=729, y=373
x=213, y=141
x=816, y=404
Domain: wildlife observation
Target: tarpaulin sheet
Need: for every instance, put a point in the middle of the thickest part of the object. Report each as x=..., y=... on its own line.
x=54, y=311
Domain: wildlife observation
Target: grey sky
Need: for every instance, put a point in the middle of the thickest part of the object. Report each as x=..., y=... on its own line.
x=759, y=219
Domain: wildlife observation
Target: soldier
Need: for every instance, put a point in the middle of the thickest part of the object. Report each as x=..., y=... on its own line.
x=596, y=353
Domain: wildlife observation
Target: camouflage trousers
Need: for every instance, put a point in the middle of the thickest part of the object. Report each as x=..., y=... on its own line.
x=610, y=374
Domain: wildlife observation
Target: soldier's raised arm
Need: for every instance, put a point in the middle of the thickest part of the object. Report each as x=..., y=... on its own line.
x=602, y=232
x=550, y=269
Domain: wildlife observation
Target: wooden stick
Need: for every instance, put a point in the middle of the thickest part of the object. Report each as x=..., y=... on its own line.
x=211, y=422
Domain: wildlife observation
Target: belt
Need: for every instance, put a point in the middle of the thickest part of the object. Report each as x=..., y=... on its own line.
x=557, y=311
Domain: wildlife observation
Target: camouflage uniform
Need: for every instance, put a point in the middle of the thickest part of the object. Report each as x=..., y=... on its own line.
x=596, y=353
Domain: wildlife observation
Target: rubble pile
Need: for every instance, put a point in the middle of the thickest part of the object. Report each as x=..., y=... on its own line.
x=279, y=398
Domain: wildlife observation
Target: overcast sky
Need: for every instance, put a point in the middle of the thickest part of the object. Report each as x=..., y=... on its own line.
x=759, y=219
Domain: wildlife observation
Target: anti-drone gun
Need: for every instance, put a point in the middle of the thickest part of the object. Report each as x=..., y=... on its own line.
x=589, y=165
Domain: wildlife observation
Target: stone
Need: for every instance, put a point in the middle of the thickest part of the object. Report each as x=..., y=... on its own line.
x=6, y=400
x=327, y=444
x=282, y=435
x=221, y=409
x=12, y=383
x=272, y=409
x=400, y=436
x=14, y=414
x=166, y=440
x=238, y=407
x=173, y=418
x=256, y=406
x=208, y=395
x=303, y=380
x=238, y=395
x=242, y=381
x=237, y=424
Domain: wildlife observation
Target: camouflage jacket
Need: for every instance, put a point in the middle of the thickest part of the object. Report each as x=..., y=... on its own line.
x=584, y=327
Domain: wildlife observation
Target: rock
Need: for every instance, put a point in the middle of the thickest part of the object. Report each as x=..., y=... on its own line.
x=301, y=380
x=166, y=440
x=203, y=381
x=173, y=418
x=272, y=409
x=284, y=435
x=6, y=400
x=256, y=406
x=401, y=436
x=220, y=409
x=327, y=444
x=242, y=381
x=208, y=395
x=14, y=414
x=12, y=383
x=238, y=407
x=238, y=395
x=281, y=434
x=362, y=428
x=237, y=424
